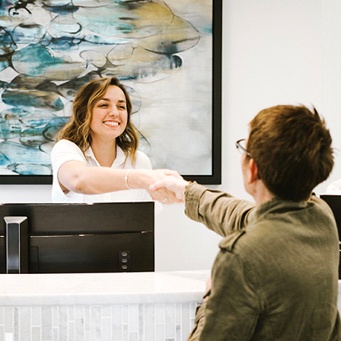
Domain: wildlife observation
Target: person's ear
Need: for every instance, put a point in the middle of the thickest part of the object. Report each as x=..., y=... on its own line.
x=253, y=171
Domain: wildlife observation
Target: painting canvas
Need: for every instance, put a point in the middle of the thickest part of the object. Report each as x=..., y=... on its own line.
x=166, y=52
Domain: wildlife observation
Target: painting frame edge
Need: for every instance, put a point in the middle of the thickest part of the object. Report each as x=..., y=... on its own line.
x=217, y=36
x=215, y=177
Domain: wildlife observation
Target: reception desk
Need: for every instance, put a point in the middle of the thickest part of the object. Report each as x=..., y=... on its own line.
x=149, y=306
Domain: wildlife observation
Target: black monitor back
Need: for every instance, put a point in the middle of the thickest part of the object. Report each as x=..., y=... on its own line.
x=334, y=201
x=75, y=238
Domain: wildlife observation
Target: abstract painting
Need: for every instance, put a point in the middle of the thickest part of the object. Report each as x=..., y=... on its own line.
x=166, y=52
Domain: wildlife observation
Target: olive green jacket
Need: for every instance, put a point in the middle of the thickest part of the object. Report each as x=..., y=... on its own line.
x=276, y=274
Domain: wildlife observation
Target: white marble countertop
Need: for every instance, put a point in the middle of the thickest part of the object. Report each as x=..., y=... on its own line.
x=102, y=288
x=105, y=288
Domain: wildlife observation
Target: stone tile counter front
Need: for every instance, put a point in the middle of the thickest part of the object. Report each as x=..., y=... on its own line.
x=149, y=306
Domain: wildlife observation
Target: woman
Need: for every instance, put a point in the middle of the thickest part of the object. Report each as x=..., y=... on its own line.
x=95, y=158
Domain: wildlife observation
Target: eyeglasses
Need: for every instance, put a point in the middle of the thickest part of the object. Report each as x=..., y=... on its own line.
x=240, y=145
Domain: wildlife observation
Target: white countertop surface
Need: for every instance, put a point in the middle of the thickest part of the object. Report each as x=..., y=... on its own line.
x=102, y=288
x=105, y=288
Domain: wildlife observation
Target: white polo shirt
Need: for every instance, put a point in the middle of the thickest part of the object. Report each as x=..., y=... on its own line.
x=334, y=188
x=65, y=150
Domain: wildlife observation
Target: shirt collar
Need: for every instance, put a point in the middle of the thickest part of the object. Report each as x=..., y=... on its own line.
x=119, y=160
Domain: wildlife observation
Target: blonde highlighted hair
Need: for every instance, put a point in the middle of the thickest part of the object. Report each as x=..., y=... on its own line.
x=77, y=129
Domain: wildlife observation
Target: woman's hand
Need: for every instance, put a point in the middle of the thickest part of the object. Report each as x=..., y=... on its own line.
x=173, y=185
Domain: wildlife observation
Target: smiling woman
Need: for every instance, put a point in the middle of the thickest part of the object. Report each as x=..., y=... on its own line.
x=96, y=150
x=108, y=122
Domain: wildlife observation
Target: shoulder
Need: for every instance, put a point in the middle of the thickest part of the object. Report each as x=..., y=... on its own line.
x=65, y=150
x=65, y=144
x=322, y=208
x=142, y=160
x=229, y=242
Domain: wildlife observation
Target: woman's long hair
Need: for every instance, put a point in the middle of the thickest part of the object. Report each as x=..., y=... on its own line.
x=77, y=129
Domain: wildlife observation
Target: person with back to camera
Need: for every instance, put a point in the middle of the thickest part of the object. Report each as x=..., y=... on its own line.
x=276, y=274
x=95, y=158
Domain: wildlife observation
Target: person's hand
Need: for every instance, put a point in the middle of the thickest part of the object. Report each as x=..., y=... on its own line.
x=154, y=182
x=173, y=185
x=163, y=194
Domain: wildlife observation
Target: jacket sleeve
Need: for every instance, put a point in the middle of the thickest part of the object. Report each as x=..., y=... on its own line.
x=219, y=211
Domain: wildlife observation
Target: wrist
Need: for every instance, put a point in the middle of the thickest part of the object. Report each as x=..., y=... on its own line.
x=137, y=178
x=187, y=188
x=126, y=179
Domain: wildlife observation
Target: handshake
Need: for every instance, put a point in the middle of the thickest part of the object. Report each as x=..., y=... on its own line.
x=164, y=185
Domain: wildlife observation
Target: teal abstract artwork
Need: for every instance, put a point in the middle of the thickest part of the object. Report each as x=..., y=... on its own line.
x=161, y=51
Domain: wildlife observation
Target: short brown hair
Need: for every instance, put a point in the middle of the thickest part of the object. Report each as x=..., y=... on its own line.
x=292, y=149
x=77, y=129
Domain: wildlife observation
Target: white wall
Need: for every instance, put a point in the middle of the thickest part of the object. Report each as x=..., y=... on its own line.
x=274, y=52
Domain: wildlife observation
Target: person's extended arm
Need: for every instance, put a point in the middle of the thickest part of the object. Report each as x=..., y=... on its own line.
x=77, y=177
x=218, y=210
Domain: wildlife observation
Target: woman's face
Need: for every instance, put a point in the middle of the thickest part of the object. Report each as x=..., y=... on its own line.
x=109, y=115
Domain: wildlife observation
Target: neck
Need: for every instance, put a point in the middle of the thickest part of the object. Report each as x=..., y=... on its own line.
x=104, y=152
x=261, y=194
